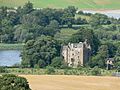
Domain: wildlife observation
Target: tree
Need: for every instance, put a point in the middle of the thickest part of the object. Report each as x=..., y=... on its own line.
x=13, y=82
x=40, y=51
x=3, y=70
x=82, y=35
x=3, y=12
x=7, y=31
x=68, y=16
x=99, y=19
x=57, y=62
x=100, y=59
x=27, y=8
x=117, y=58
x=43, y=20
x=29, y=20
x=52, y=28
x=71, y=10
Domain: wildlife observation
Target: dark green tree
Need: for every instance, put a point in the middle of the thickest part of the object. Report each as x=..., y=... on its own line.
x=40, y=51
x=57, y=62
x=117, y=58
x=86, y=33
x=101, y=57
x=13, y=82
x=99, y=19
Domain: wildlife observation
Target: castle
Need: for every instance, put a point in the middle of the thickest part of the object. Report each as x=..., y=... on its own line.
x=76, y=54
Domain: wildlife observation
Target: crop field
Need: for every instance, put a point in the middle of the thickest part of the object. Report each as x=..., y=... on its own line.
x=65, y=82
x=81, y=4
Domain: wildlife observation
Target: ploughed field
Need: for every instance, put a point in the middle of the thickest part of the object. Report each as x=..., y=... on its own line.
x=65, y=82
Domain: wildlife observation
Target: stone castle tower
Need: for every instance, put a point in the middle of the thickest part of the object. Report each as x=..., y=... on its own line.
x=76, y=54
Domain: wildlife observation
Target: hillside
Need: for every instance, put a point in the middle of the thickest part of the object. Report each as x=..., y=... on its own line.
x=81, y=4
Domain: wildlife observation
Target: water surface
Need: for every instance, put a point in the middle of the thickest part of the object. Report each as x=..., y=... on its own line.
x=9, y=57
x=109, y=13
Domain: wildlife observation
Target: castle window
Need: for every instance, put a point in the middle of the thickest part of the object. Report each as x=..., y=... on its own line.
x=72, y=60
x=78, y=57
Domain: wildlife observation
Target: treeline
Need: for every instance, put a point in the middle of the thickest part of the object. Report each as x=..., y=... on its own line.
x=37, y=28
x=26, y=22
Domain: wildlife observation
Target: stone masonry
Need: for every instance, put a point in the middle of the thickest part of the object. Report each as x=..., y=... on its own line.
x=76, y=54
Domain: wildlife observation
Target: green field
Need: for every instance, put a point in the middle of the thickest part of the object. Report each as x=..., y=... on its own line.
x=11, y=46
x=65, y=34
x=81, y=4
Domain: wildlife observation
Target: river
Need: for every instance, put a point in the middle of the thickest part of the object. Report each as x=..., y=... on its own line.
x=9, y=57
x=109, y=13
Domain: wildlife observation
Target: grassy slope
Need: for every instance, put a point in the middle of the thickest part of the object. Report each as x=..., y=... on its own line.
x=81, y=4
x=65, y=34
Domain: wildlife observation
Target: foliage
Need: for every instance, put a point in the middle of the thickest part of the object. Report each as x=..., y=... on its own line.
x=100, y=59
x=96, y=71
x=50, y=70
x=117, y=58
x=86, y=33
x=99, y=19
x=12, y=82
x=44, y=31
x=40, y=51
x=3, y=70
x=57, y=62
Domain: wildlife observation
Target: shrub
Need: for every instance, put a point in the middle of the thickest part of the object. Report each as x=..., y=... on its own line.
x=3, y=70
x=50, y=70
x=13, y=82
x=96, y=71
x=57, y=62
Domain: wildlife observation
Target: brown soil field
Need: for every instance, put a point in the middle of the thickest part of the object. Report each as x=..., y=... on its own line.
x=64, y=82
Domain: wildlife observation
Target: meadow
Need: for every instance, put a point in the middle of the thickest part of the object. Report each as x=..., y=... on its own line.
x=11, y=46
x=81, y=4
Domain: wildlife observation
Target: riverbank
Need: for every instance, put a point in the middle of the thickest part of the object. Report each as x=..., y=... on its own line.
x=11, y=46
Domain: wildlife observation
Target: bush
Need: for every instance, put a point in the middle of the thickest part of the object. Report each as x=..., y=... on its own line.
x=3, y=70
x=13, y=82
x=57, y=62
x=50, y=70
x=96, y=71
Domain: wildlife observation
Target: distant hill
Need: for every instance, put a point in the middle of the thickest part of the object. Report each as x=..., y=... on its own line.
x=81, y=4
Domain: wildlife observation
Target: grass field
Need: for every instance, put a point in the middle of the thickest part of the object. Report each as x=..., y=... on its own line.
x=64, y=82
x=81, y=4
x=11, y=46
x=65, y=34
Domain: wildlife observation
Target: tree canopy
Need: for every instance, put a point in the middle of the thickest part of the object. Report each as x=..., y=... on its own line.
x=13, y=82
